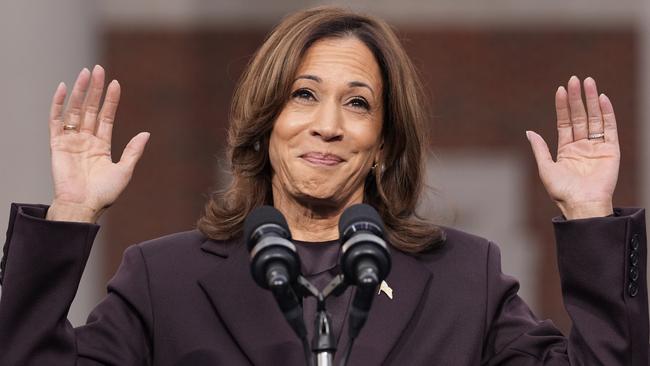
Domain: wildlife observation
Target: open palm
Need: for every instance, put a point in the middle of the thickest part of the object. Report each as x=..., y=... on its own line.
x=85, y=178
x=583, y=179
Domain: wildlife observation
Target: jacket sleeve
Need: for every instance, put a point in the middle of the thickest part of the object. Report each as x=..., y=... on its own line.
x=602, y=264
x=41, y=269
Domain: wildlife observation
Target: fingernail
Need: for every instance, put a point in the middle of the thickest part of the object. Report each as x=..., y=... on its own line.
x=96, y=68
x=560, y=88
x=528, y=135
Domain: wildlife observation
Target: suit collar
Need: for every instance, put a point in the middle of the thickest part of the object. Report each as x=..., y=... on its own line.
x=254, y=320
x=220, y=248
x=249, y=312
x=389, y=318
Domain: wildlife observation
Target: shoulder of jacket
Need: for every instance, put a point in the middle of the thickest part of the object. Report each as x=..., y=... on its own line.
x=458, y=237
x=172, y=242
x=460, y=247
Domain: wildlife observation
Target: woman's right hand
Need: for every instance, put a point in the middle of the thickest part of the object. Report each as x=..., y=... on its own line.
x=86, y=181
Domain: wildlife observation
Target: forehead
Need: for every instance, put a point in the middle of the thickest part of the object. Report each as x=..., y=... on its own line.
x=345, y=59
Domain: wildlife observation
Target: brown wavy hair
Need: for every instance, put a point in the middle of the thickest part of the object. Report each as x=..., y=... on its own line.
x=263, y=90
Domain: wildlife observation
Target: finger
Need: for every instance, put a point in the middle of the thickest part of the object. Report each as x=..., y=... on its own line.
x=540, y=150
x=56, y=111
x=595, y=124
x=133, y=150
x=109, y=108
x=564, y=128
x=90, y=106
x=609, y=120
x=73, y=111
x=577, y=110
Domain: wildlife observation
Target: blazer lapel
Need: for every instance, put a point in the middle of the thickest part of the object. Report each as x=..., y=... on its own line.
x=388, y=318
x=249, y=312
x=255, y=322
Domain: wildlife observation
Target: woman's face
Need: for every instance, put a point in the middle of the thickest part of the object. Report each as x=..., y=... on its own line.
x=328, y=134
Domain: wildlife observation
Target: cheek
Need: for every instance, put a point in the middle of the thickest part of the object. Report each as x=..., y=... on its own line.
x=291, y=119
x=287, y=127
x=366, y=137
x=279, y=156
x=282, y=137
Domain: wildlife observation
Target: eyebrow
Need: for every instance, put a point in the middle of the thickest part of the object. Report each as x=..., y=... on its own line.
x=352, y=84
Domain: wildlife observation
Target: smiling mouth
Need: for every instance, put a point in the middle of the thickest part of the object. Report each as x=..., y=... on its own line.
x=322, y=159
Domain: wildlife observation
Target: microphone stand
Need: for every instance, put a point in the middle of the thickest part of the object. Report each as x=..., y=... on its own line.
x=323, y=344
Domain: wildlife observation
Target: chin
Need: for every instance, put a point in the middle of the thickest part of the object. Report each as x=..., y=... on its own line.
x=319, y=197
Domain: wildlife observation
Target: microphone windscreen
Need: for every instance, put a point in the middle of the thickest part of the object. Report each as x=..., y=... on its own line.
x=261, y=216
x=359, y=213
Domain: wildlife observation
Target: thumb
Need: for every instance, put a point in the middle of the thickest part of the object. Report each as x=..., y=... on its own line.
x=540, y=150
x=133, y=150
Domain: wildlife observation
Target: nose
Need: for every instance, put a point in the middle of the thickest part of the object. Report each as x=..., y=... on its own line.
x=328, y=122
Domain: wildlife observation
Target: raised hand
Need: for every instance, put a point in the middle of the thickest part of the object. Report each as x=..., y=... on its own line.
x=582, y=180
x=86, y=181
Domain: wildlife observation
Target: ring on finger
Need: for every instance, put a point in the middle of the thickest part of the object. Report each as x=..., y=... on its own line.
x=69, y=127
x=596, y=136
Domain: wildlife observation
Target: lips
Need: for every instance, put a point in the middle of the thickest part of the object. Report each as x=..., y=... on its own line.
x=322, y=158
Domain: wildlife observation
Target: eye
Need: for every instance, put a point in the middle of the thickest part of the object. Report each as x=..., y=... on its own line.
x=359, y=102
x=304, y=94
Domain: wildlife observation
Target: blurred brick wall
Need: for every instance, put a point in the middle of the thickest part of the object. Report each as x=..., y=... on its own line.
x=486, y=86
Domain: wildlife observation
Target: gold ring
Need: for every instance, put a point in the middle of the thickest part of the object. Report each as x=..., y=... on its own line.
x=69, y=127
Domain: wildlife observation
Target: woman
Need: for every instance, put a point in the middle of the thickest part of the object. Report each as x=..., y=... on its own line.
x=328, y=114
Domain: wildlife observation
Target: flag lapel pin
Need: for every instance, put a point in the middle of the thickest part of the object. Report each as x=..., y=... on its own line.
x=385, y=289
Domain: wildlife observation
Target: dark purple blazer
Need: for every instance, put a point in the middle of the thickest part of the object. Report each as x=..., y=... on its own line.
x=187, y=300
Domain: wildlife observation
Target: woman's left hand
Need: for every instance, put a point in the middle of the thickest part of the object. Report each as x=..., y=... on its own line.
x=582, y=180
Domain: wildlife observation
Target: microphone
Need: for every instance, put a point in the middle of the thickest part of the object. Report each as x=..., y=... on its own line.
x=275, y=264
x=365, y=259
